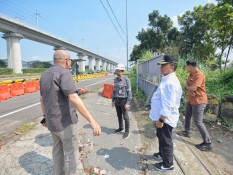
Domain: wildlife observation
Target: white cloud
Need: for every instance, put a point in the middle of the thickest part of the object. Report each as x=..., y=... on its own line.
x=212, y=1
x=35, y=58
x=175, y=20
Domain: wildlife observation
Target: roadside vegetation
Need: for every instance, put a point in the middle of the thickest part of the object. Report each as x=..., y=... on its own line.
x=25, y=127
x=205, y=34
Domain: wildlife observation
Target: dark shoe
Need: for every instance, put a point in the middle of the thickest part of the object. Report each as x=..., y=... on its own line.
x=184, y=134
x=126, y=135
x=157, y=156
x=160, y=167
x=205, y=146
x=118, y=130
x=199, y=145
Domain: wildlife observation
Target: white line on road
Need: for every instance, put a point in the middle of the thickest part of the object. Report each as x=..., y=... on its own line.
x=13, y=112
x=19, y=110
x=97, y=82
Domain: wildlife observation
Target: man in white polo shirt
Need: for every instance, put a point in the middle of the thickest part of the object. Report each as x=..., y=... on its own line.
x=164, y=112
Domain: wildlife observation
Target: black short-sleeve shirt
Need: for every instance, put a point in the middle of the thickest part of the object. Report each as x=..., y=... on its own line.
x=55, y=86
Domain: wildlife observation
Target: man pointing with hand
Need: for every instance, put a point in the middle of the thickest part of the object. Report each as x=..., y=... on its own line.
x=59, y=102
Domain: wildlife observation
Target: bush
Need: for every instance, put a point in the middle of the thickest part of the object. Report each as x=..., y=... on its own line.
x=34, y=70
x=133, y=78
x=146, y=55
x=181, y=72
x=40, y=64
x=2, y=64
x=220, y=85
x=6, y=71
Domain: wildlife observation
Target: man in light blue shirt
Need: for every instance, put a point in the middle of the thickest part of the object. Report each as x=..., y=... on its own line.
x=164, y=112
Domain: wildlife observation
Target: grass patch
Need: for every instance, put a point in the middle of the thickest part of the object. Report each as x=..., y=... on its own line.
x=25, y=128
x=228, y=124
x=20, y=75
x=141, y=96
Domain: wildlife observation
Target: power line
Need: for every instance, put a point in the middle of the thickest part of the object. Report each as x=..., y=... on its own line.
x=112, y=21
x=50, y=23
x=115, y=17
x=127, y=37
x=18, y=8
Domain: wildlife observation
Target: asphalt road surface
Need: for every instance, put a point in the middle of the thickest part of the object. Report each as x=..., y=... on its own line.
x=26, y=108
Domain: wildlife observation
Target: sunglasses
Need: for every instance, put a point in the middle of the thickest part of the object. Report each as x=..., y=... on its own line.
x=69, y=59
x=118, y=70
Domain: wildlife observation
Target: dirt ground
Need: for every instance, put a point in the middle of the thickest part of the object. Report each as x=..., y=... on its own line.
x=221, y=157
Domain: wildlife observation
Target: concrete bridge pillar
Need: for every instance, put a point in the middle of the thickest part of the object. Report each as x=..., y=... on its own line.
x=104, y=65
x=91, y=63
x=97, y=61
x=81, y=62
x=13, y=51
x=108, y=66
x=111, y=66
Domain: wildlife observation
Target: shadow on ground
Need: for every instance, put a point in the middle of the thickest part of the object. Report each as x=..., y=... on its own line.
x=36, y=164
x=44, y=140
x=105, y=130
x=146, y=130
x=116, y=158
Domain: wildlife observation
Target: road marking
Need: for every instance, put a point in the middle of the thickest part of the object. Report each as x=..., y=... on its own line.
x=2, y=116
x=19, y=110
x=98, y=82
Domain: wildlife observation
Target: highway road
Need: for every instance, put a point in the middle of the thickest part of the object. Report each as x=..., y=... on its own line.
x=26, y=108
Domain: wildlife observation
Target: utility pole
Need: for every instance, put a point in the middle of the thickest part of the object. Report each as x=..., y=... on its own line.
x=127, y=41
x=37, y=18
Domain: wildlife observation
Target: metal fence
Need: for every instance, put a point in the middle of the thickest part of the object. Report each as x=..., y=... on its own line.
x=149, y=76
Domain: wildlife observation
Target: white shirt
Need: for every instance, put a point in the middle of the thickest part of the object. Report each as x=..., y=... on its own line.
x=166, y=100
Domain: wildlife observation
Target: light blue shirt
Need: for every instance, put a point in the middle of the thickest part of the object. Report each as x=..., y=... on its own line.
x=166, y=100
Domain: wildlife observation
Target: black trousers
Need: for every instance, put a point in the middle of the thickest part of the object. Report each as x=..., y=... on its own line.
x=122, y=113
x=164, y=135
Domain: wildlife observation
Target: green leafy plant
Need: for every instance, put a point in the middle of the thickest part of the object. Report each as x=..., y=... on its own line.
x=6, y=71
x=34, y=70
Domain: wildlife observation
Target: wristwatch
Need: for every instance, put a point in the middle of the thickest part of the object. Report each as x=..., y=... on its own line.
x=161, y=120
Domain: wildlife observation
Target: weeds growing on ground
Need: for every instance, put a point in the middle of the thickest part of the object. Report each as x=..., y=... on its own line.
x=25, y=127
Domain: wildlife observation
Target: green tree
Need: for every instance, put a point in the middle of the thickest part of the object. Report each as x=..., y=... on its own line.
x=195, y=38
x=155, y=37
x=222, y=30
x=136, y=53
x=146, y=55
x=2, y=64
x=39, y=64
x=172, y=47
x=186, y=23
x=222, y=2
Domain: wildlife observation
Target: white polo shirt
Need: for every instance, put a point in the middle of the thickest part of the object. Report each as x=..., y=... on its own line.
x=166, y=100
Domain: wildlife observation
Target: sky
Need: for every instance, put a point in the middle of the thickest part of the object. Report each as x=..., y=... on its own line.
x=86, y=24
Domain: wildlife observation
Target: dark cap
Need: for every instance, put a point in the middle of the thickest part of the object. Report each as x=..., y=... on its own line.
x=191, y=63
x=168, y=59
